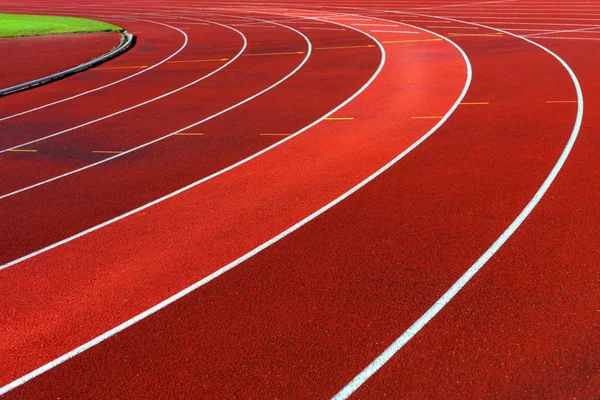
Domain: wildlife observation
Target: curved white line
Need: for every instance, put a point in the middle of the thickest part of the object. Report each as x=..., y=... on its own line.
x=136, y=105
x=247, y=256
x=420, y=323
x=43, y=250
x=99, y=339
x=308, y=54
x=107, y=85
x=122, y=111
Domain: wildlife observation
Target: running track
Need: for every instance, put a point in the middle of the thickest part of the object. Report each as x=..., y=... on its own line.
x=54, y=53
x=304, y=200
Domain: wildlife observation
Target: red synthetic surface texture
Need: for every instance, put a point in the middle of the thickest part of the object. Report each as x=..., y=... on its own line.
x=246, y=194
x=527, y=325
x=301, y=318
x=28, y=58
x=154, y=43
x=166, y=166
x=224, y=43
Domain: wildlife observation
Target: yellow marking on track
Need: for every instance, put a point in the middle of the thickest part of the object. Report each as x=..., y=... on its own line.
x=22, y=151
x=274, y=54
x=107, y=152
x=474, y=103
x=344, y=47
x=123, y=67
x=196, y=61
x=427, y=117
x=560, y=101
x=275, y=134
x=339, y=119
x=189, y=134
x=411, y=41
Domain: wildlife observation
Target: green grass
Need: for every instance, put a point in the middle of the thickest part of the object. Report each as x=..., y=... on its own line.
x=12, y=25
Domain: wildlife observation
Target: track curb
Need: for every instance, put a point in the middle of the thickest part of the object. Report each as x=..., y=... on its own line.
x=127, y=40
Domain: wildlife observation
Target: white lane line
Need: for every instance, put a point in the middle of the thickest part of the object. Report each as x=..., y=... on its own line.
x=531, y=24
x=420, y=323
x=531, y=11
x=99, y=339
x=453, y=27
x=536, y=24
x=253, y=25
x=461, y=5
x=378, y=31
x=474, y=34
x=94, y=228
x=321, y=29
x=525, y=29
x=305, y=22
x=382, y=25
x=308, y=53
x=524, y=18
x=426, y=20
x=128, y=108
x=566, y=31
x=348, y=19
x=566, y=38
x=530, y=14
x=110, y=84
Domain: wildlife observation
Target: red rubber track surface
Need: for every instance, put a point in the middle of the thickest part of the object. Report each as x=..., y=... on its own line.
x=257, y=187
x=25, y=59
x=304, y=316
x=211, y=42
x=527, y=325
x=154, y=43
x=166, y=166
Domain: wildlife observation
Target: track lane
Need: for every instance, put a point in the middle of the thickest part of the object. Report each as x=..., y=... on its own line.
x=527, y=323
x=102, y=196
x=146, y=115
x=156, y=171
x=33, y=57
x=385, y=146
x=276, y=98
x=166, y=45
x=215, y=42
x=305, y=328
x=464, y=381
x=570, y=354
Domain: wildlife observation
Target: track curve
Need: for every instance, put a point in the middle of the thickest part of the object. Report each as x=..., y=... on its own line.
x=241, y=260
